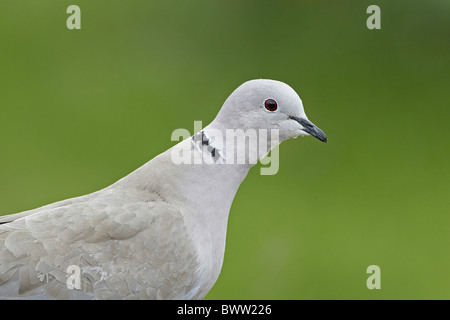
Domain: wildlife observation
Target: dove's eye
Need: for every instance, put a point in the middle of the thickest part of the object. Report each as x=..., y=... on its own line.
x=271, y=105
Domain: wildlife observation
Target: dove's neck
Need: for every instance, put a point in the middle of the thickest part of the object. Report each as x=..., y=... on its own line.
x=239, y=145
x=188, y=179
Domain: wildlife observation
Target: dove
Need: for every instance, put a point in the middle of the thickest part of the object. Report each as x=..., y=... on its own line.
x=159, y=232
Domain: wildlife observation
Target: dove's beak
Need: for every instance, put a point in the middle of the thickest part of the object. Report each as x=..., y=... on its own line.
x=310, y=128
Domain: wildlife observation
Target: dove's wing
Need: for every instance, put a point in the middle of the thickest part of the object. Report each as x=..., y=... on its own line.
x=67, y=202
x=123, y=250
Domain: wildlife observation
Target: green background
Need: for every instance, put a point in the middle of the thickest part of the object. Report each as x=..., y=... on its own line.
x=82, y=108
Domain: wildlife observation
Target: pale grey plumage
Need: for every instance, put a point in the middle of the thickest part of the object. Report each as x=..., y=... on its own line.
x=158, y=233
x=126, y=249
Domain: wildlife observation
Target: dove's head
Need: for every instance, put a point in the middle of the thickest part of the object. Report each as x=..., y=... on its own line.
x=267, y=104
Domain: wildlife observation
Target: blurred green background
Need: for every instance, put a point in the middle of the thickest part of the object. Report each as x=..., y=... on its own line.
x=82, y=108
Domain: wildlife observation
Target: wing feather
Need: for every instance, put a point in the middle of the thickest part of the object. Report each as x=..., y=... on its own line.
x=124, y=250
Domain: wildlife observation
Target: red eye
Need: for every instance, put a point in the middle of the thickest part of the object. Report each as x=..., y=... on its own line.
x=271, y=105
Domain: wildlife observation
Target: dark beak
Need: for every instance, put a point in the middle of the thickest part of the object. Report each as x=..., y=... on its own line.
x=310, y=128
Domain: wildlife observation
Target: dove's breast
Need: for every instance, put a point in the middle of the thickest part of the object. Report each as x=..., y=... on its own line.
x=158, y=233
